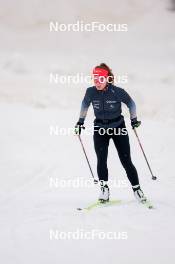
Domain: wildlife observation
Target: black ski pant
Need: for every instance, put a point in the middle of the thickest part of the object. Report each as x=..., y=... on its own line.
x=121, y=142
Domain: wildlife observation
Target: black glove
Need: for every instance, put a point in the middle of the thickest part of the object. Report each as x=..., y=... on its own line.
x=79, y=125
x=135, y=123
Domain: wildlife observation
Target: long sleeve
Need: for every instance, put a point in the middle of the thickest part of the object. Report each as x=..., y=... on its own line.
x=130, y=104
x=84, y=106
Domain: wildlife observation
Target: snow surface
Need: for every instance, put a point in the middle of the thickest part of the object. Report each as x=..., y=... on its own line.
x=30, y=156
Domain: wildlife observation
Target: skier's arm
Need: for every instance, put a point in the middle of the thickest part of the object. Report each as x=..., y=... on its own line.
x=126, y=99
x=132, y=108
x=84, y=107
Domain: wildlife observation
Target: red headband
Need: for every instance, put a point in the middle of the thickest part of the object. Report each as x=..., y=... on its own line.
x=98, y=72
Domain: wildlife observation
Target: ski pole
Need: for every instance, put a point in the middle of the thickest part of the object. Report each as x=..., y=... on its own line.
x=95, y=181
x=153, y=177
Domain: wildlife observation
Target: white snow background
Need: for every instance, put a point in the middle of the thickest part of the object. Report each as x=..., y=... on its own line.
x=30, y=156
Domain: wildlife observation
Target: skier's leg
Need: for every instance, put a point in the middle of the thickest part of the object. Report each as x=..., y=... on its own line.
x=101, y=143
x=123, y=147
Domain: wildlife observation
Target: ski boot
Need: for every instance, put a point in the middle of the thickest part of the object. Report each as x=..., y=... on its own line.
x=104, y=192
x=139, y=195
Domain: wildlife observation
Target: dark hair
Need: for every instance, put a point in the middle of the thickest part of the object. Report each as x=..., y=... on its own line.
x=110, y=74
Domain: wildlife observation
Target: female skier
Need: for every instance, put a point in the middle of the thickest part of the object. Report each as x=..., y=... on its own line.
x=109, y=124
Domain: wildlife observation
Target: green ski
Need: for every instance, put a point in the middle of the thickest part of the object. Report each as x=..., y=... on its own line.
x=99, y=204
